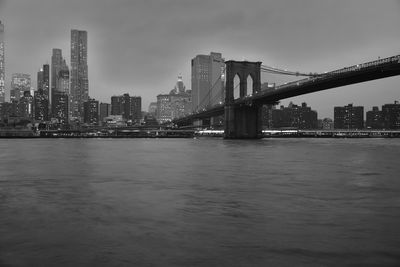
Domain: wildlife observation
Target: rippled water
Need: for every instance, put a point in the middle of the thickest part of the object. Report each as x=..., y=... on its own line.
x=199, y=202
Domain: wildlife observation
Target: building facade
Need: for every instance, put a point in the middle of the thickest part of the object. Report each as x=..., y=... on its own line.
x=349, y=117
x=59, y=107
x=56, y=62
x=374, y=119
x=105, y=111
x=41, y=106
x=292, y=116
x=391, y=115
x=130, y=107
x=26, y=107
x=91, y=112
x=176, y=104
x=2, y=66
x=79, y=73
x=20, y=82
x=207, y=80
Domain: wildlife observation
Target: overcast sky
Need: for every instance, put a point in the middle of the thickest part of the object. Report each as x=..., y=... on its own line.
x=140, y=46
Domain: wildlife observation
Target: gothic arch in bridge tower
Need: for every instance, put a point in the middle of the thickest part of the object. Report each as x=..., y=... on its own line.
x=242, y=119
x=244, y=70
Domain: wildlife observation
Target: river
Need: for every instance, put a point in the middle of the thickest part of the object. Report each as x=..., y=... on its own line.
x=199, y=202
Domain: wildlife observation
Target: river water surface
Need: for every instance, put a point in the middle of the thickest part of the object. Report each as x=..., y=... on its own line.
x=199, y=202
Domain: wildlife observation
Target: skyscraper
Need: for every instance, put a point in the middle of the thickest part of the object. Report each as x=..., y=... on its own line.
x=60, y=94
x=41, y=96
x=2, y=70
x=79, y=73
x=56, y=62
x=91, y=111
x=207, y=80
x=46, y=80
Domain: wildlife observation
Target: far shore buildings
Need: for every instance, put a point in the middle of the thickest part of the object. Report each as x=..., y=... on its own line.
x=130, y=107
x=349, y=117
x=292, y=116
x=387, y=118
x=176, y=104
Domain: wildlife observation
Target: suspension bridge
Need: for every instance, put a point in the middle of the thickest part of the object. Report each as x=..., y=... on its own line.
x=243, y=114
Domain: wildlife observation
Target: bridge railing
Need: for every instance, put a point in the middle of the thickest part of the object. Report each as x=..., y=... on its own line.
x=358, y=67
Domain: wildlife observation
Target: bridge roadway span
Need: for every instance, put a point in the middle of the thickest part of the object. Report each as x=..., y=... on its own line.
x=373, y=70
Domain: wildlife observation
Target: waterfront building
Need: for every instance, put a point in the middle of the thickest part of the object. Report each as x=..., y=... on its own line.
x=2, y=65
x=105, y=111
x=60, y=103
x=292, y=116
x=327, y=124
x=5, y=110
x=20, y=82
x=391, y=115
x=59, y=107
x=130, y=107
x=91, y=111
x=267, y=121
x=116, y=104
x=207, y=80
x=153, y=109
x=164, y=113
x=79, y=73
x=374, y=119
x=349, y=117
x=41, y=106
x=176, y=104
x=25, y=106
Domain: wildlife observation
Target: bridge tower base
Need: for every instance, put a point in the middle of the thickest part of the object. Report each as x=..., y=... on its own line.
x=242, y=121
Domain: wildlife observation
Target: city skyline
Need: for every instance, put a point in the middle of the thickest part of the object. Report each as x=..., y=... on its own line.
x=128, y=51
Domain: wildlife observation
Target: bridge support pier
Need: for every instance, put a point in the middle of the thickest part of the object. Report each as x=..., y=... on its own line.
x=243, y=122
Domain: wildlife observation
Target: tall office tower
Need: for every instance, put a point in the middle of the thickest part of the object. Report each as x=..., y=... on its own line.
x=91, y=112
x=56, y=62
x=2, y=69
x=20, y=83
x=116, y=105
x=25, y=106
x=59, y=107
x=207, y=80
x=40, y=79
x=79, y=73
x=46, y=80
x=63, y=78
x=348, y=117
x=60, y=95
x=41, y=106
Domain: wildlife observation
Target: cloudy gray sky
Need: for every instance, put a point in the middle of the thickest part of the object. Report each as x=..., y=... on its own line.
x=140, y=46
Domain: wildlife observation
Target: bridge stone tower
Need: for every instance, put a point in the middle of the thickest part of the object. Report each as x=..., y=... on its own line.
x=242, y=121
